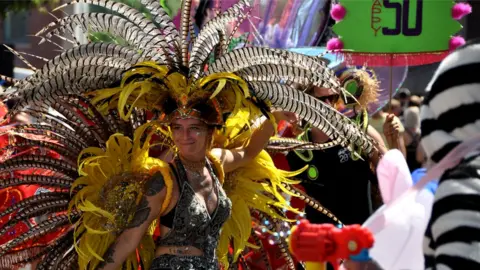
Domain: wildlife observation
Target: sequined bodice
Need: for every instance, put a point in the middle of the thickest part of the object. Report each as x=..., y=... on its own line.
x=192, y=223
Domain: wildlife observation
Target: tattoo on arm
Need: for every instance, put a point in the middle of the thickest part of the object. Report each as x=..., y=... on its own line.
x=141, y=214
x=155, y=184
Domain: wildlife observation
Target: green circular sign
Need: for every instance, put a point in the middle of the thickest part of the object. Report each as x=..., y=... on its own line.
x=312, y=172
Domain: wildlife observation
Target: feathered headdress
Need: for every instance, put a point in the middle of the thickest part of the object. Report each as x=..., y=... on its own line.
x=155, y=52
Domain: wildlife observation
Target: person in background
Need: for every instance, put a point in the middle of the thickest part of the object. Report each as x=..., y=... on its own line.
x=404, y=96
x=414, y=101
x=342, y=180
x=202, y=14
x=344, y=185
x=449, y=117
x=396, y=108
x=411, y=136
x=421, y=158
x=383, y=119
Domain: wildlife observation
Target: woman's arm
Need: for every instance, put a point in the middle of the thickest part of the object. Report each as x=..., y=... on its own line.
x=407, y=139
x=236, y=158
x=147, y=211
x=382, y=149
x=420, y=155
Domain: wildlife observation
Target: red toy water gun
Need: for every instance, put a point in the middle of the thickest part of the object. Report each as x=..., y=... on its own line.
x=316, y=244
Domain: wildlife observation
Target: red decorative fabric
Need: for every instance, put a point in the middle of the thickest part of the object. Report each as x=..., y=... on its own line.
x=254, y=259
x=12, y=195
x=400, y=59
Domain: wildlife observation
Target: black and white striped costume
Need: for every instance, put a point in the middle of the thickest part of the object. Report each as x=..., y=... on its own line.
x=451, y=114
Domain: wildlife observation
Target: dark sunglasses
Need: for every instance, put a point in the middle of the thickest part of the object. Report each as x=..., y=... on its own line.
x=330, y=99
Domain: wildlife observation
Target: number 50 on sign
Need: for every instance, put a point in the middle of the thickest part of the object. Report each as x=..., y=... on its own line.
x=397, y=26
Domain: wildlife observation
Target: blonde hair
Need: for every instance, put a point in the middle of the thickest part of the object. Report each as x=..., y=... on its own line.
x=370, y=86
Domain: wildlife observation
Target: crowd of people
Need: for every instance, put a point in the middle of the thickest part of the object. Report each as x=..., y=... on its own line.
x=450, y=143
x=405, y=111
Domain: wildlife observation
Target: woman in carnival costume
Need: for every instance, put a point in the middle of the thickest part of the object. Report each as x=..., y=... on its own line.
x=110, y=194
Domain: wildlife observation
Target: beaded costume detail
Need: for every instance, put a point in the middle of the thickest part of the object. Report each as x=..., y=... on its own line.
x=193, y=226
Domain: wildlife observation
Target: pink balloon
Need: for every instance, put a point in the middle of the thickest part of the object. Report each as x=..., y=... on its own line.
x=399, y=225
x=460, y=10
x=399, y=231
x=393, y=175
x=338, y=12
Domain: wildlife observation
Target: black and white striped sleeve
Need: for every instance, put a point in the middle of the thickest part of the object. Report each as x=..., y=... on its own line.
x=453, y=233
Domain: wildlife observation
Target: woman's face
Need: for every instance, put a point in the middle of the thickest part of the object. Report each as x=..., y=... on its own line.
x=190, y=136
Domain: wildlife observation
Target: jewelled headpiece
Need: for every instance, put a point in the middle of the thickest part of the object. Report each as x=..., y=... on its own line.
x=207, y=110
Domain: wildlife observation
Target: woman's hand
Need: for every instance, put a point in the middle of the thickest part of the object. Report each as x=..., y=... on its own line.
x=392, y=126
x=392, y=129
x=291, y=118
x=286, y=116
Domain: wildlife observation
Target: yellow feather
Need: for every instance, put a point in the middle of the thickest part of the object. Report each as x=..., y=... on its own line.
x=103, y=94
x=250, y=245
x=124, y=96
x=225, y=75
x=121, y=155
x=94, y=231
x=90, y=250
x=88, y=206
x=220, y=86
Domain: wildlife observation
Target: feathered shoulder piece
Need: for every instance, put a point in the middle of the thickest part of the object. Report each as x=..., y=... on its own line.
x=115, y=183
